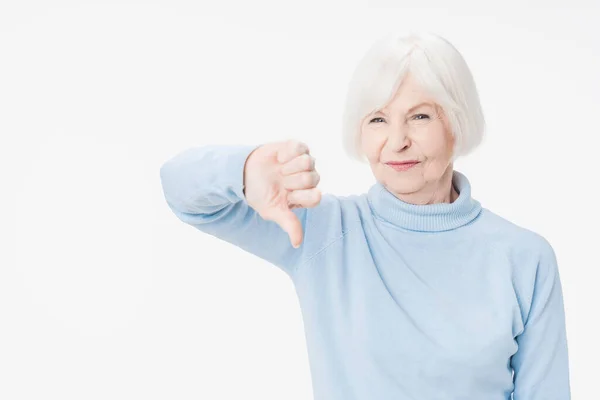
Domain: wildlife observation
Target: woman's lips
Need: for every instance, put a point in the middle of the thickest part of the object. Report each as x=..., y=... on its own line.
x=402, y=166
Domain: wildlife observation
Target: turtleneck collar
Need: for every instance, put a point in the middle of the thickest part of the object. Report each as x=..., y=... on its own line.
x=426, y=217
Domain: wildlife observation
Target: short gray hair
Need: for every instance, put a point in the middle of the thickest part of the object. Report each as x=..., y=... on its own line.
x=438, y=67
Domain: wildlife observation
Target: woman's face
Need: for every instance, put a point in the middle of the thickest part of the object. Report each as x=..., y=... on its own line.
x=411, y=128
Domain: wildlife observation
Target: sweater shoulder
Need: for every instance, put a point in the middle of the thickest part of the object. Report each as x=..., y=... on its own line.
x=336, y=213
x=499, y=229
x=331, y=220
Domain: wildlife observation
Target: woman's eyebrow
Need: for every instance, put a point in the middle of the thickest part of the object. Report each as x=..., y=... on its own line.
x=424, y=103
x=421, y=104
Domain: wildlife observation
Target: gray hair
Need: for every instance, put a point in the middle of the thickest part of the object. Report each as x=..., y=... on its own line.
x=438, y=67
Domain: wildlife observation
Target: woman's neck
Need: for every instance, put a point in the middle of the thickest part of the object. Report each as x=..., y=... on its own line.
x=440, y=191
x=439, y=217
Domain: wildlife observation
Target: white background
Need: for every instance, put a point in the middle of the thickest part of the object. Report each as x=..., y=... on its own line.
x=104, y=294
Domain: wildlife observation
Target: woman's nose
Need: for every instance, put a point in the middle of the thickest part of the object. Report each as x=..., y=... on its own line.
x=399, y=137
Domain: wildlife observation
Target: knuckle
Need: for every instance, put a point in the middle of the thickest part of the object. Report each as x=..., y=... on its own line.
x=308, y=179
x=307, y=161
x=318, y=196
x=293, y=143
x=290, y=146
x=301, y=147
x=296, y=147
x=315, y=197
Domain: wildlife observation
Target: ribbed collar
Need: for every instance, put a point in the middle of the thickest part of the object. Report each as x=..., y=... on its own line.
x=427, y=217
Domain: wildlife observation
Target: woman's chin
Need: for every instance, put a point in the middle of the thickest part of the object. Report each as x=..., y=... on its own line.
x=404, y=186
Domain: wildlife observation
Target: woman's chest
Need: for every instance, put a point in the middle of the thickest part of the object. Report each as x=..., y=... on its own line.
x=454, y=311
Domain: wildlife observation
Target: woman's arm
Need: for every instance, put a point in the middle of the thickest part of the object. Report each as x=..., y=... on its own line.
x=541, y=363
x=203, y=186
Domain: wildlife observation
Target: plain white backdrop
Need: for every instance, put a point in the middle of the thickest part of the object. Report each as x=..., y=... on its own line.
x=104, y=294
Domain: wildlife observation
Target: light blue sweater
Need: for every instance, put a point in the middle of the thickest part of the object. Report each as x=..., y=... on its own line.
x=399, y=301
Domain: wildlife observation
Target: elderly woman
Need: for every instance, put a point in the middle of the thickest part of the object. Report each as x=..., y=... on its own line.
x=411, y=290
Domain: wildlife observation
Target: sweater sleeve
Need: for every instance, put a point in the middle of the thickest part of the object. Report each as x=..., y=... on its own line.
x=541, y=365
x=203, y=186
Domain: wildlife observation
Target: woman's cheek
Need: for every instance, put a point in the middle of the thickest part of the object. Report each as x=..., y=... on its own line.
x=371, y=148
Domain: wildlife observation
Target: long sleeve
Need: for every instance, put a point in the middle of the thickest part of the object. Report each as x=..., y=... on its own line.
x=203, y=186
x=541, y=363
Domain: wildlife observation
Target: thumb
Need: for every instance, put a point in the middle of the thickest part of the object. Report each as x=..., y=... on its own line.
x=290, y=223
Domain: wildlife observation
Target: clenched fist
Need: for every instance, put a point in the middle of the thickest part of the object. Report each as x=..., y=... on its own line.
x=279, y=177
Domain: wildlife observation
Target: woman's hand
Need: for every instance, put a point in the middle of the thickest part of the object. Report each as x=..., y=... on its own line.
x=279, y=177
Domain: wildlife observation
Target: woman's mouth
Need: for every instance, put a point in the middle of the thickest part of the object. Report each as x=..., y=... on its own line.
x=402, y=165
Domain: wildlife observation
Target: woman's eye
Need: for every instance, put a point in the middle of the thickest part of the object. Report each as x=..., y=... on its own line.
x=421, y=116
x=377, y=119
